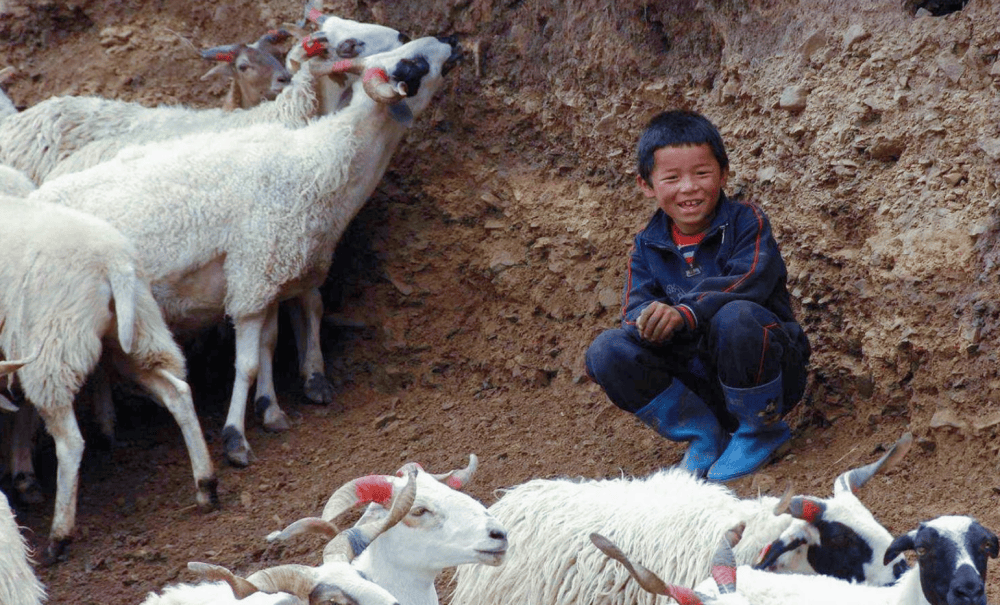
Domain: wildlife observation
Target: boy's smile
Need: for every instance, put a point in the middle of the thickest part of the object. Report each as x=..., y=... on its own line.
x=686, y=183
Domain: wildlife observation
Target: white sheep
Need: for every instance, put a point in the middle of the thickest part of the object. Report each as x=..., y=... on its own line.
x=444, y=528
x=951, y=565
x=70, y=288
x=18, y=583
x=14, y=183
x=335, y=582
x=549, y=521
x=233, y=224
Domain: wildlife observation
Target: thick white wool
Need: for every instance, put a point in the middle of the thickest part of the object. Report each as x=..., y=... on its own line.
x=670, y=522
x=18, y=584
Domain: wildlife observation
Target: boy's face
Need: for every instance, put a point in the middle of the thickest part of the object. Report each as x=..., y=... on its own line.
x=686, y=182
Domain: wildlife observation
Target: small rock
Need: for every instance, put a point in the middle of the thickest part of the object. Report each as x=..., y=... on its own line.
x=793, y=98
x=854, y=34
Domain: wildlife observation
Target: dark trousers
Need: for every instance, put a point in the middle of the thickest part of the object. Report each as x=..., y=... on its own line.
x=743, y=346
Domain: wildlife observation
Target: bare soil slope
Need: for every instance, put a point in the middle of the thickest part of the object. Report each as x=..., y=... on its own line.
x=465, y=293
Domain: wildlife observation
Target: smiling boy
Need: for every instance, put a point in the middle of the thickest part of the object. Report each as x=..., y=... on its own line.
x=708, y=351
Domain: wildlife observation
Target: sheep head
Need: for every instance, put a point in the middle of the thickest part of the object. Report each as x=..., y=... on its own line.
x=838, y=536
x=257, y=75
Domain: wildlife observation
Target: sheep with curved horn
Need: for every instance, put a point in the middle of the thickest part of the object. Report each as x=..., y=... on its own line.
x=444, y=528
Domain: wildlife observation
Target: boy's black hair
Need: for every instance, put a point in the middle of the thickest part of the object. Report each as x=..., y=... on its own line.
x=676, y=128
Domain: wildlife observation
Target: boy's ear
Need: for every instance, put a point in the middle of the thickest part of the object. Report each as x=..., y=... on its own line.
x=644, y=186
x=723, y=178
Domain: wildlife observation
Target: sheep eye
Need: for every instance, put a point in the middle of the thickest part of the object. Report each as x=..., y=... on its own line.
x=419, y=511
x=921, y=551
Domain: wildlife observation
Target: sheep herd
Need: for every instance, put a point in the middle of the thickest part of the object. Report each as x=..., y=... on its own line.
x=127, y=227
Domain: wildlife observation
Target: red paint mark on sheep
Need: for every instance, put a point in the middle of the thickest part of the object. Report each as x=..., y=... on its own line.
x=454, y=482
x=376, y=72
x=684, y=596
x=724, y=574
x=374, y=488
x=811, y=511
x=312, y=46
x=314, y=15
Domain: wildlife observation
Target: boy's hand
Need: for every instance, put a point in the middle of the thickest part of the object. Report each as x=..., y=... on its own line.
x=658, y=321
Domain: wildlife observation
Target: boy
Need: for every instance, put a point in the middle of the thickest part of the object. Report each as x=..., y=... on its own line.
x=708, y=351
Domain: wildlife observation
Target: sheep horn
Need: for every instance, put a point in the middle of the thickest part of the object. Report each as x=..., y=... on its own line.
x=353, y=541
x=314, y=14
x=7, y=405
x=459, y=478
x=291, y=578
x=857, y=478
x=241, y=587
x=275, y=36
x=786, y=498
x=226, y=53
x=308, y=525
x=13, y=365
x=372, y=488
x=724, y=561
x=376, y=83
x=807, y=509
x=647, y=579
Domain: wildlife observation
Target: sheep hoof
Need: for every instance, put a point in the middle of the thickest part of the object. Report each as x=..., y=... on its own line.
x=237, y=449
x=29, y=491
x=208, y=494
x=275, y=421
x=54, y=552
x=319, y=390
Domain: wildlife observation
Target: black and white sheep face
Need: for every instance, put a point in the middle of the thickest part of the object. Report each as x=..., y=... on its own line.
x=952, y=552
x=836, y=537
x=418, y=67
x=444, y=528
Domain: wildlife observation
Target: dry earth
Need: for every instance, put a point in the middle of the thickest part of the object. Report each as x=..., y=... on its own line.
x=465, y=293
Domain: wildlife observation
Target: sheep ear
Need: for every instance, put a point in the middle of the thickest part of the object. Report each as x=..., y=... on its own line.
x=401, y=113
x=899, y=546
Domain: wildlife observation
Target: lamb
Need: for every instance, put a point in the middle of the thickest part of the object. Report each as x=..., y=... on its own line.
x=270, y=203
x=552, y=518
x=254, y=71
x=334, y=582
x=838, y=536
x=951, y=551
x=70, y=287
x=18, y=583
x=444, y=528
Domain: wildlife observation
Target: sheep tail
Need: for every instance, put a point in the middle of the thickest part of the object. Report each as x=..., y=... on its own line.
x=123, y=286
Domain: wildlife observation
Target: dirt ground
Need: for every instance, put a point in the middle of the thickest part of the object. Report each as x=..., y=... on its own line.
x=466, y=291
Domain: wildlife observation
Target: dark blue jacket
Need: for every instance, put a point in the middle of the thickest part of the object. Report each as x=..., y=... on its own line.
x=737, y=260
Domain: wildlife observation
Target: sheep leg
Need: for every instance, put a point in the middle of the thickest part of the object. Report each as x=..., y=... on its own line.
x=104, y=405
x=175, y=395
x=60, y=422
x=266, y=403
x=22, y=440
x=306, y=313
x=248, y=337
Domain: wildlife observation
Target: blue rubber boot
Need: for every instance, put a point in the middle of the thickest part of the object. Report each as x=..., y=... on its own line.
x=680, y=415
x=761, y=431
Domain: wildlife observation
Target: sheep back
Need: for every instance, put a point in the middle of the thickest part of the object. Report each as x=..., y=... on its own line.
x=669, y=521
x=259, y=197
